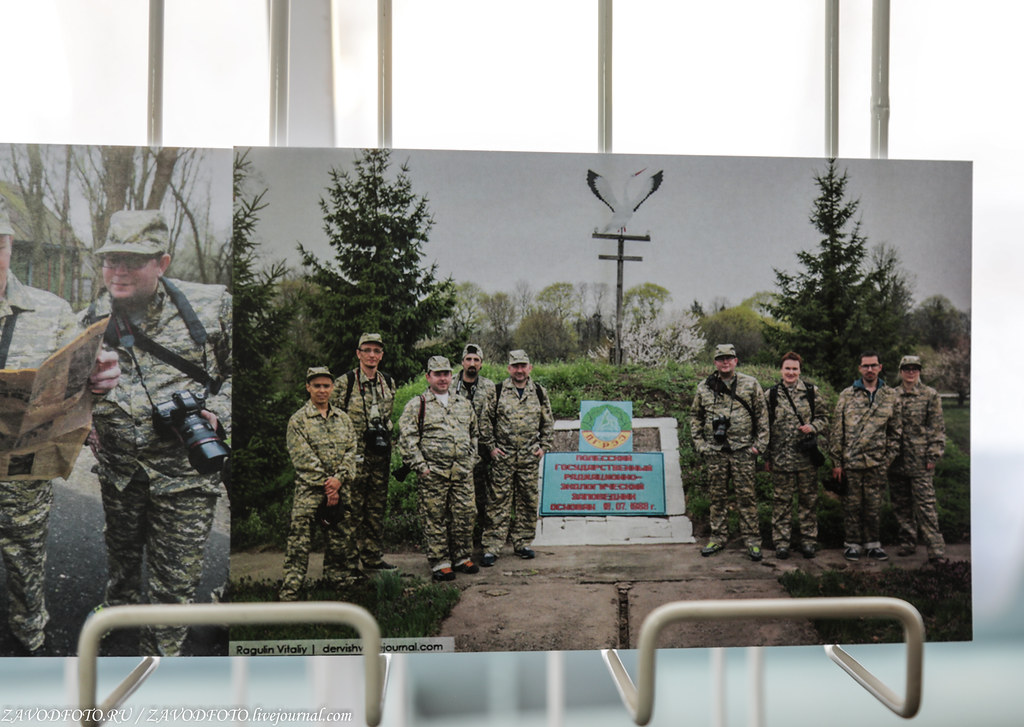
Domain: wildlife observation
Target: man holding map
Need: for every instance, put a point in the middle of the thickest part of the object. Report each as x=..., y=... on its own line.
x=33, y=325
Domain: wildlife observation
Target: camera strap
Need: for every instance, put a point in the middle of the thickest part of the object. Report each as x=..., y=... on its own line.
x=7, y=336
x=120, y=333
x=719, y=387
x=773, y=402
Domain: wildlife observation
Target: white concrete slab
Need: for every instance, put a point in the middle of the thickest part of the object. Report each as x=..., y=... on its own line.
x=674, y=527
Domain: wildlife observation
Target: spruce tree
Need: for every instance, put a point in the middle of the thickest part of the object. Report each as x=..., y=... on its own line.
x=377, y=281
x=842, y=302
x=261, y=406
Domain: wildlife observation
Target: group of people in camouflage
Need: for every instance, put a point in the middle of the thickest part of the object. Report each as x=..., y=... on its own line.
x=164, y=339
x=878, y=436
x=475, y=446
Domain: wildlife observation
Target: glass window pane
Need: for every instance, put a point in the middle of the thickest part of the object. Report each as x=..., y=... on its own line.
x=733, y=78
x=80, y=71
x=216, y=72
x=496, y=75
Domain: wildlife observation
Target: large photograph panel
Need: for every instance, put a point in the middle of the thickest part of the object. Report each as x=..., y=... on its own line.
x=115, y=306
x=372, y=274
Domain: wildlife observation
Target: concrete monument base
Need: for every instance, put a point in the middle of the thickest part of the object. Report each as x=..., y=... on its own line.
x=673, y=527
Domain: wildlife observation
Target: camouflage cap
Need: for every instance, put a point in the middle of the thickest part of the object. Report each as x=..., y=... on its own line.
x=371, y=338
x=142, y=232
x=472, y=348
x=725, y=350
x=438, y=363
x=908, y=361
x=313, y=371
x=518, y=357
x=6, y=228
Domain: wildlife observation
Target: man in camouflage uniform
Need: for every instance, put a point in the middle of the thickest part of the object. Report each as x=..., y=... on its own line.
x=438, y=438
x=171, y=336
x=910, y=478
x=729, y=426
x=480, y=391
x=322, y=446
x=523, y=430
x=798, y=417
x=33, y=325
x=864, y=440
x=367, y=395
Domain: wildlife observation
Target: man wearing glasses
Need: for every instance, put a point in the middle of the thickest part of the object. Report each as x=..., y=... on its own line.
x=173, y=339
x=864, y=441
x=367, y=395
x=33, y=325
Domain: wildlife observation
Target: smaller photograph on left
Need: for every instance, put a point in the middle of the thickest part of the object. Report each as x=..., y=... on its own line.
x=115, y=392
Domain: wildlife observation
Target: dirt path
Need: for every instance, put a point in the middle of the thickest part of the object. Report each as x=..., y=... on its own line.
x=596, y=597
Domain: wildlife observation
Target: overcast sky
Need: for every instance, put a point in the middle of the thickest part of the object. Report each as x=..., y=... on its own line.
x=718, y=225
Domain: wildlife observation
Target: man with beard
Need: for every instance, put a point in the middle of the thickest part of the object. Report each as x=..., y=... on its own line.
x=480, y=392
x=864, y=441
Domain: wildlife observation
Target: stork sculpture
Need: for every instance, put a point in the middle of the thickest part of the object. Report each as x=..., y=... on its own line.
x=636, y=190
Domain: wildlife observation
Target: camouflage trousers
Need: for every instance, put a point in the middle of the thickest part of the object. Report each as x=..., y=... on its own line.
x=172, y=530
x=369, y=502
x=481, y=482
x=447, y=507
x=862, y=505
x=24, y=517
x=739, y=468
x=913, y=503
x=341, y=556
x=513, y=486
x=804, y=484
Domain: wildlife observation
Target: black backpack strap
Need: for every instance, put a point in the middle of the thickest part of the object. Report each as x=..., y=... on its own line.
x=7, y=336
x=188, y=314
x=542, y=396
x=423, y=407
x=773, y=403
x=350, y=377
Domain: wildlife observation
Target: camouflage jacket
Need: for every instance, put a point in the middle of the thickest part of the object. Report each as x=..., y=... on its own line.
x=924, y=429
x=785, y=432
x=446, y=441
x=124, y=417
x=44, y=324
x=746, y=428
x=482, y=395
x=520, y=423
x=321, y=447
x=361, y=400
x=866, y=429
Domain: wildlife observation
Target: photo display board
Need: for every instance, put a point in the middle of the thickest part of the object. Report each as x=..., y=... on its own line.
x=145, y=234
x=510, y=266
x=520, y=253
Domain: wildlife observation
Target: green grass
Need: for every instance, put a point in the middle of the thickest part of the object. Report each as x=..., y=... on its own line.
x=942, y=594
x=404, y=606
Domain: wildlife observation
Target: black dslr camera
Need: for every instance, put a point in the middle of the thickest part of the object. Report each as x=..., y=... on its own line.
x=377, y=437
x=180, y=416
x=720, y=426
